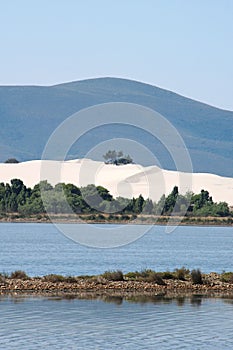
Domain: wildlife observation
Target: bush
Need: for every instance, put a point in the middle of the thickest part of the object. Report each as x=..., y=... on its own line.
x=167, y=275
x=144, y=273
x=59, y=278
x=227, y=277
x=19, y=274
x=181, y=273
x=113, y=275
x=156, y=278
x=131, y=275
x=54, y=278
x=149, y=275
x=196, y=277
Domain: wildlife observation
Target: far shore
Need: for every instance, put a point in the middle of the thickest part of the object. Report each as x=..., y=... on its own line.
x=119, y=220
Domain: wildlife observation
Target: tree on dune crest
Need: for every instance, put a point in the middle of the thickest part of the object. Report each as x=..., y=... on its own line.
x=117, y=158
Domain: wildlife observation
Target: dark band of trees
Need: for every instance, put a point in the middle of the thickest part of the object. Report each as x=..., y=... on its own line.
x=17, y=198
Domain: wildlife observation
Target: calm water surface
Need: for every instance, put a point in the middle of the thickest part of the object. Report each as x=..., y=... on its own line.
x=155, y=323
x=41, y=249
x=39, y=323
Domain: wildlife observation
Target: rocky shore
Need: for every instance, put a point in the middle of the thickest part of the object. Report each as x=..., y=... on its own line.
x=97, y=285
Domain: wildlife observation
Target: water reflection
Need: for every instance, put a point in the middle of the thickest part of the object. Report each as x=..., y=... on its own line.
x=90, y=321
x=180, y=299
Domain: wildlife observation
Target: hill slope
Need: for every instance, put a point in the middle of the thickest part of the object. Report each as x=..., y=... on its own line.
x=29, y=114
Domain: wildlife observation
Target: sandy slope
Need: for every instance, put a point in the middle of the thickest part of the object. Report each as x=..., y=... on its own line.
x=128, y=180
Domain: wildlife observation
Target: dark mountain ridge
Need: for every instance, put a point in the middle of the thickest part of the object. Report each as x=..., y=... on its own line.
x=29, y=114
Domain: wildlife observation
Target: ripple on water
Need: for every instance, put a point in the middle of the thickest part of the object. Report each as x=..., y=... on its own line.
x=40, y=323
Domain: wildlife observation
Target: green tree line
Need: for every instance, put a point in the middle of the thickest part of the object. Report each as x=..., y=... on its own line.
x=17, y=198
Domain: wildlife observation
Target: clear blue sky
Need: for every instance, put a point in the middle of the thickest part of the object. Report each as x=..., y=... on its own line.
x=181, y=45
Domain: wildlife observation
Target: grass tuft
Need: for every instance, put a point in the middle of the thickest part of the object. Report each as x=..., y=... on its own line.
x=113, y=275
x=19, y=274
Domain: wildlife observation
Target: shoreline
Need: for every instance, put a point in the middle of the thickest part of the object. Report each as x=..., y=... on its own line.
x=97, y=286
x=139, y=220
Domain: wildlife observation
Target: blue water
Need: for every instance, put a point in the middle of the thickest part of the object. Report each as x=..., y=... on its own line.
x=29, y=323
x=41, y=249
x=40, y=323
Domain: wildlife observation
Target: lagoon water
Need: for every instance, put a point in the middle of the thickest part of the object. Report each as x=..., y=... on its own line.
x=40, y=323
x=41, y=249
x=114, y=323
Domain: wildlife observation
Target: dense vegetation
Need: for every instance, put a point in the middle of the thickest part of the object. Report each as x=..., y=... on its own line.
x=17, y=198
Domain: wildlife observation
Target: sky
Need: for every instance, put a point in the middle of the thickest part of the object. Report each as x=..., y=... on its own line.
x=181, y=45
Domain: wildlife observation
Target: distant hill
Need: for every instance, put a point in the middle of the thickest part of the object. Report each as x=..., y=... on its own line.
x=29, y=114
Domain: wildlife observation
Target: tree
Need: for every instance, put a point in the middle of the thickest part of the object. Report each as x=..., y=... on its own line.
x=44, y=186
x=104, y=193
x=171, y=200
x=148, y=206
x=94, y=196
x=17, y=186
x=117, y=158
x=12, y=161
x=138, y=204
x=110, y=156
x=222, y=209
x=159, y=207
x=15, y=195
x=201, y=199
x=71, y=189
x=124, y=160
x=2, y=197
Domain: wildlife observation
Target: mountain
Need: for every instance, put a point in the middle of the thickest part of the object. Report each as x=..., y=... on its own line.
x=29, y=114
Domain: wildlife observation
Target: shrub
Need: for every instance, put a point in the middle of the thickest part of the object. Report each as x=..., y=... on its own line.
x=54, y=278
x=227, y=277
x=196, y=277
x=19, y=274
x=113, y=275
x=149, y=275
x=181, y=273
x=131, y=275
x=167, y=275
x=155, y=277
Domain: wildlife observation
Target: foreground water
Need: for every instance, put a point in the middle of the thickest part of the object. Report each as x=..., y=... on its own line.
x=143, y=323
x=191, y=323
x=41, y=249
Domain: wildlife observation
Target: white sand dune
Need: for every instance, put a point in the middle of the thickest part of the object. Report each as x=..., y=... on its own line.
x=126, y=181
